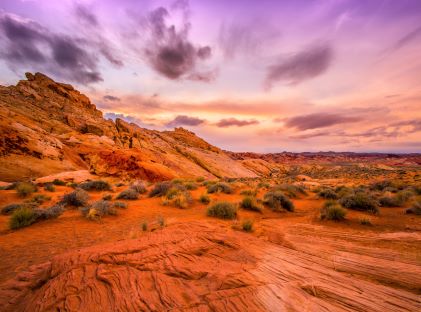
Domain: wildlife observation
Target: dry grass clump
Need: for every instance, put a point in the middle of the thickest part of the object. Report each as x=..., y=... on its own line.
x=59, y=182
x=191, y=186
x=332, y=211
x=178, y=198
x=120, y=205
x=221, y=187
x=99, y=209
x=107, y=197
x=25, y=215
x=365, y=221
x=160, y=189
x=76, y=198
x=97, y=185
x=9, y=209
x=52, y=212
x=250, y=203
x=360, y=201
x=248, y=192
x=276, y=200
x=204, y=199
x=247, y=226
x=40, y=199
x=290, y=190
x=200, y=179
x=130, y=194
x=222, y=210
x=25, y=188
x=139, y=186
x=327, y=193
x=49, y=187
x=415, y=209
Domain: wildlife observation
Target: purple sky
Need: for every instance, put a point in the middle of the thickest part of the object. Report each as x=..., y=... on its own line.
x=267, y=76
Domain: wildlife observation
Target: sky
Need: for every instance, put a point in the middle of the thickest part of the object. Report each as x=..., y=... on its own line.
x=245, y=75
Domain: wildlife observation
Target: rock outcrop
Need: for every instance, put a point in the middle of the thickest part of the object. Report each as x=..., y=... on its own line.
x=49, y=127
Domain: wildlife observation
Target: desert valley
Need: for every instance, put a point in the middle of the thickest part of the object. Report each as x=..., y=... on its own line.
x=142, y=170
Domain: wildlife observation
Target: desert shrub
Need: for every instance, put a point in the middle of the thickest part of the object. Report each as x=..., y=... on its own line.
x=264, y=185
x=289, y=190
x=204, y=199
x=382, y=185
x=161, y=221
x=247, y=226
x=120, y=205
x=220, y=187
x=343, y=191
x=40, y=198
x=200, y=179
x=107, y=197
x=250, y=203
x=98, y=209
x=390, y=201
x=119, y=184
x=177, y=181
x=130, y=194
x=76, y=198
x=332, y=211
x=97, y=185
x=191, y=186
x=49, y=187
x=277, y=200
x=72, y=185
x=404, y=195
x=9, y=209
x=144, y=226
x=139, y=186
x=52, y=212
x=25, y=188
x=22, y=217
x=179, y=199
x=172, y=192
x=415, y=209
x=160, y=189
x=248, y=192
x=209, y=182
x=222, y=210
x=365, y=221
x=59, y=182
x=360, y=201
x=328, y=194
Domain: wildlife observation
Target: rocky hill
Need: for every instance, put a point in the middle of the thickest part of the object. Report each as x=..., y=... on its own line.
x=48, y=127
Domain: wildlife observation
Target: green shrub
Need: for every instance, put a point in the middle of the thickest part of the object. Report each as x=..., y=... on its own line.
x=25, y=188
x=59, y=182
x=360, y=201
x=160, y=189
x=22, y=217
x=76, y=198
x=328, y=194
x=277, y=200
x=97, y=185
x=120, y=205
x=130, y=194
x=219, y=187
x=49, y=187
x=222, y=210
x=204, y=199
x=247, y=225
x=248, y=192
x=332, y=211
x=415, y=209
x=250, y=203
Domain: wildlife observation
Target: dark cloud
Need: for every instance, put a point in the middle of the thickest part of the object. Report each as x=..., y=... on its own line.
x=111, y=98
x=25, y=43
x=229, y=122
x=318, y=120
x=301, y=66
x=182, y=120
x=86, y=16
x=169, y=51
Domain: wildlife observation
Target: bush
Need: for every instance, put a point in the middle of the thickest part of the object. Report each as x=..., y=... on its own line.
x=120, y=205
x=179, y=199
x=360, y=201
x=22, y=217
x=144, y=226
x=98, y=209
x=130, y=194
x=365, y=221
x=390, y=201
x=222, y=210
x=160, y=189
x=76, y=198
x=9, y=209
x=52, y=212
x=97, y=185
x=290, y=190
x=139, y=186
x=250, y=203
x=59, y=182
x=204, y=199
x=73, y=185
x=40, y=198
x=25, y=188
x=49, y=187
x=107, y=197
x=200, y=179
x=263, y=185
x=247, y=226
x=332, y=211
x=248, y=192
x=328, y=194
x=219, y=187
x=415, y=209
x=277, y=200
x=191, y=186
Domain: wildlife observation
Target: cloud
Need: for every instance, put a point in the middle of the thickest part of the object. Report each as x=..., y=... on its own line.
x=86, y=16
x=129, y=119
x=169, y=51
x=302, y=66
x=111, y=98
x=408, y=38
x=318, y=120
x=25, y=43
x=229, y=122
x=182, y=120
